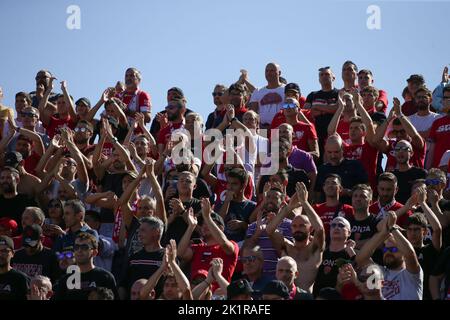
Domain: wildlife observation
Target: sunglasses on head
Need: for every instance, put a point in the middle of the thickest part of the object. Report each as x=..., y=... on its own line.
x=82, y=247
x=28, y=114
x=64, y=255
x=391, y=249
x=248, y=259
x=432, y=182
x=217, y=94
x=337, y=224
x=290, y=105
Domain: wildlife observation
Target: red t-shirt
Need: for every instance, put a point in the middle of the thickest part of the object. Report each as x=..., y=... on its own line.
x=57, y=123
x=382, y=96
x=327, y=214
x=377, y=212
x=303, y=132
x=417, y=159
x=368, y=157
x=107, y=149
x=138, y=101
x=31, y=162
x=203, y=255
x=409, y=108
x=46, y=242
x=343, y=130
x=221, y=188
x=440, y=135
x=165, y=133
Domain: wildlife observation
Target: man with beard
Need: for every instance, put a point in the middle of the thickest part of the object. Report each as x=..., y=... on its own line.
x=402, y=129
x=91, y=277
x=406, y=173
x=363, y=223
x=43, y=78
x=403, y=276
x=287, y=272
x=309, y=237
x=415, y=81
x=219, y=91
x=365, y=79
x=440, y=133
x=135, y=99
x=175, y=111
x=12, y=203
x=268, y=100
x=236, y=95
x=82, y=135
x=13, y=284
x=257, y=234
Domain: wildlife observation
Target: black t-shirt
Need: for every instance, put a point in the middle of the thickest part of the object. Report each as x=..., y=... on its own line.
x=14, y=207
x=90, y=280
x=13, y=285
x=133, y=244
x=444, y=205
x=364, y=229
x=201, y=190
x=351, y=172
x=328, y=270
x=237, y=211
x=142, y=265
x=111, y=182
x=294, y=176
x=443, y=267
x=406, y=180
x=178, y=227
x=427, y=256
x=155, y=127
x=42, y=263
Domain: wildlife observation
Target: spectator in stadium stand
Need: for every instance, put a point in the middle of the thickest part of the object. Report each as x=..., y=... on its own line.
x=22, y=101
x=439, y=133
x=8, y=227
x=275, y=290
x=415, y=81
x=351, y=172
x=362, y=146
x=402, y=129
x=361, y=284
x=35, y=215
x=13, y=283
x=439, y=275
x=43, y=81
x=267, y=101
x=239, y=290
x=35, y=259
x=438, y=94
x=91, y=277
x=175, y=111
x=135, y=99
x=214, y=243
x=406, y=173
x=323, y=104
x=218, y=92
x=308, y=246
x=402, y=274
x=12, y=202
x=252, y=260
x=40, y=288
x=366, y=79
x=287, y=272
x=6, y=114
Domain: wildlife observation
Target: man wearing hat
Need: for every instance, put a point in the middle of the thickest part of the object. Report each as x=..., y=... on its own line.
x=13, y=284
x=8, y=227
x=275, y=290
x=35, y=259
x=291, y=90
x=415, y=81
x=239, y=290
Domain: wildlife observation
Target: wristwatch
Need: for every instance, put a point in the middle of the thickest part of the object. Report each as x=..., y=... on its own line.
x=394, y=227
x=233, y=119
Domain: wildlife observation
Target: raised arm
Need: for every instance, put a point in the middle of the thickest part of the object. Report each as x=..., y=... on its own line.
x=75, y=153
x=99, y=167
x=106, y=95
x=416, y=140
x=124, y=200
x=370, y=130
x=184, y=250
x=47, y=109
x=182, y=280
x=432, y=219
x=380, y=143
x=156, y=188
x=68, y=100
x=406, y=248
x=124, y=154
x=332, y=127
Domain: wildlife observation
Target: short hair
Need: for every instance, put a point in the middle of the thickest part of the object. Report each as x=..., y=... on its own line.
x=151, y=200
x=289, y=260
x=197, y=117
x=37, y=214
x=358, y=120
x=76, y=205
x=103, y=293
x=187, y=173
x=11, y=170
x=405, y=92
x=424, y=89
x=25, y=95
x=334, y=176
x=372, y=90
x=438, y=173
x=283, y=174
x=87, y=124
x=349, y=62
x=365, y=71
x=89, y=237
x=446, y=89
x=256, y=250
x=419, y=219
x=44, y=280
x=155, y=223
x=24, y=138
x=239, y=174
x=32, y=109
x=237, y=87
x=138, y=73
x=363, y=187
x=253, y=113
x=387, y=176
x=221, y=86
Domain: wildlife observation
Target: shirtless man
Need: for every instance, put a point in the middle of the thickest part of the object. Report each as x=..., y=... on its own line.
x=306, y=249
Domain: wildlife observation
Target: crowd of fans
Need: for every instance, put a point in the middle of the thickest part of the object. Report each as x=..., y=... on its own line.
x=332, y=196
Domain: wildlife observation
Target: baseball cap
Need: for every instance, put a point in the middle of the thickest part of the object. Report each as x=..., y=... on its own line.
x=416, y=78
x=9, y=224
x=292, y=87
x=342, y=220
x=7, y=241
x=12, y=159
x=239, y=287
x=31, y=235
x=85, y=101
x=177, y=90
x=276, y=287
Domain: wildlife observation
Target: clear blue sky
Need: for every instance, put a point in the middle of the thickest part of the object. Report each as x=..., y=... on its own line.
x=194, y=44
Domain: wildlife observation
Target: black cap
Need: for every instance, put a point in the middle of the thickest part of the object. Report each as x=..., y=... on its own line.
x=239, y=287
x=12, y=159
x=329, y=293
x=85, y=101
x=31, y=235
x=177, y=90
x=292, y=87
x=7, y=241
x=276, y=287
x=418, y=78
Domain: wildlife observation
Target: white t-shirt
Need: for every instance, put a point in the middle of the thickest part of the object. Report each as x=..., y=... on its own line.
x=270, y=102
x=423, y=123
x=402, y=285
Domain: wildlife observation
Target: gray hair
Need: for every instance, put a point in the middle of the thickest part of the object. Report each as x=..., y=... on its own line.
x=37, y=213
x=154, y=223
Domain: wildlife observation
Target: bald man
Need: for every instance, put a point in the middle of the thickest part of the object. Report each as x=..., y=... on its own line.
x=136, y=290
x=351, y=172
x=267, y=101
x=306, y=248
x=287, y=272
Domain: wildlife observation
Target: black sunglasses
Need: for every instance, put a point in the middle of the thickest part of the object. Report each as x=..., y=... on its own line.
x=217, y=94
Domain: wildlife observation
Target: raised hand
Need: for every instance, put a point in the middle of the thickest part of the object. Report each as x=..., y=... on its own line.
x=445, y=77
x=176, y=205
x=50, y=85
x=63, y=85
x=396, y=107
x=162, y=119
x=243, y=77
x=149, y=167
x=391, y=219
x=421, y=195
x=40, y=90
x=139, y=118
x=206, y=207
x=191, y=218
x=301, y=192
x=173, y=251
x=217, y=266
x=260, y=226
x=230, y=112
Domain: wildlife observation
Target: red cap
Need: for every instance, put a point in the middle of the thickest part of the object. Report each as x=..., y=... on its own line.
x=9, y=224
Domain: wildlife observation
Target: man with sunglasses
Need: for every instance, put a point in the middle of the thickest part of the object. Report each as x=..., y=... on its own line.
x=365, y=79
x=90, y=277
x=175, y=111
x=81, y=137
x=405, y=172
x=403, y=276
x=13, y=284
x=252, y=260
x=218, y=92
x=402, y=129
